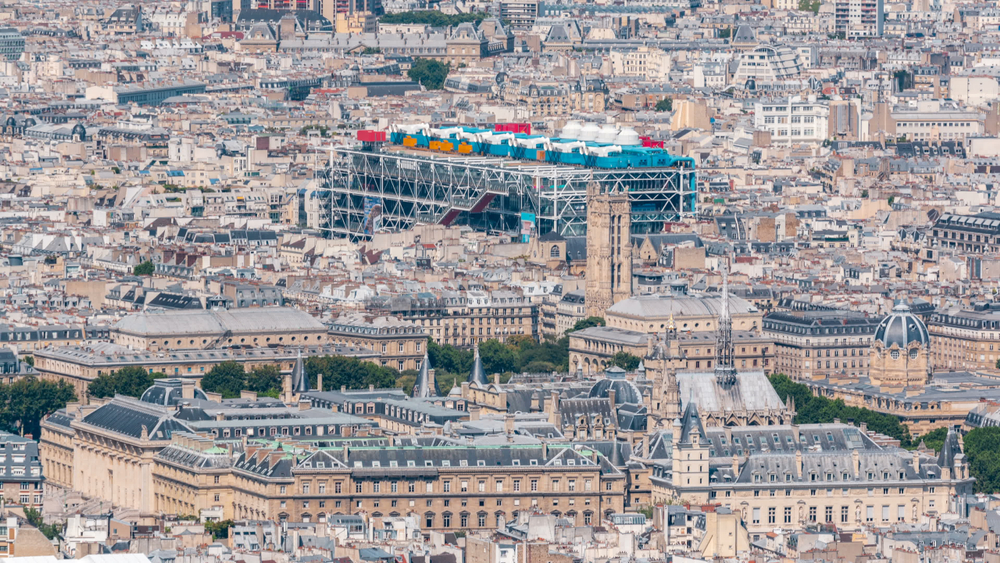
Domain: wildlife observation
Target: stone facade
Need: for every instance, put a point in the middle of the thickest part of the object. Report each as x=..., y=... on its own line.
x=609, y=250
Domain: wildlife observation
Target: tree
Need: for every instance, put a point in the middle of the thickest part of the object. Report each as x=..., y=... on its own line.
x=352, y=373
x=129, y=380
x=497, y=357
x=892, y=199
x=626, y=361
x=144, y=269
x=429, y=72
x=814, y=410
x=24, y=403
x=725, y=33
x=219, y=530
x=265, y=380
x=34, y=518
x=227, y=379
x=371, y=51
x=810, y=6
x=666, y=104
x=982, y=449
x=433, y=18
x=586, y=323
x=30, y=360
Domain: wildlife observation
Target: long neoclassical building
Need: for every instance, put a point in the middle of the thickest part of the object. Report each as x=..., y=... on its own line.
x=201, y=329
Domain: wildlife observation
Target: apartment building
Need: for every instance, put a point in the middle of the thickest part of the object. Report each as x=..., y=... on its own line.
x=464, y=318
x=793, y=120
x=821, y=344
x=859, y=18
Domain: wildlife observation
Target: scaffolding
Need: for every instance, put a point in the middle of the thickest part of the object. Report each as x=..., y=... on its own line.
x=369, y=191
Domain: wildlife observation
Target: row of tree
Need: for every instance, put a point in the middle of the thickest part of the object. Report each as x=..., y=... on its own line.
x=811, y=409
x=433, y=18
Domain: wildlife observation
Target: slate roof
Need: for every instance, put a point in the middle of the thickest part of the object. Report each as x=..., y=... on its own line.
x=128, y=416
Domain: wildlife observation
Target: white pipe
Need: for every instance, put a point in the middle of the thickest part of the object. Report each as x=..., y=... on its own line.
x=568, y=147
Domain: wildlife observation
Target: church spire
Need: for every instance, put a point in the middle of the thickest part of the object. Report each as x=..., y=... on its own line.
x=725, y=367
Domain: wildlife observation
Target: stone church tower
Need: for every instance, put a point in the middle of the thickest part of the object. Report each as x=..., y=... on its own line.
x=609, y=249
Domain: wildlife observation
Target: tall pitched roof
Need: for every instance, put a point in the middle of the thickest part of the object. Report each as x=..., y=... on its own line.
x=425, y=386
x=300, y=381
x=478, y=376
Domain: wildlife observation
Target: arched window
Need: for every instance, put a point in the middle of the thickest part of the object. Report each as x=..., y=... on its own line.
x=554, y=251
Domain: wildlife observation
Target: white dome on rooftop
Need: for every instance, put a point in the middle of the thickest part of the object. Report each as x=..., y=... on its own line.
x=589, y=132
x=608, y=134
x=628, y=138
x=571, y=130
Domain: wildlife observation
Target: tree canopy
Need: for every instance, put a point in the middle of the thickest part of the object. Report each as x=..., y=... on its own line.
x=811, y=410
x=352, y=373
x=227, y=378
x=24, y=403
x=518, y=354
x=429, y=72
x=586, y=323
x=144, y=269
x=129, y=380
x=626, y=361
x=666, y=104
x=264, y=380
x=433, y=18
x=982, y=449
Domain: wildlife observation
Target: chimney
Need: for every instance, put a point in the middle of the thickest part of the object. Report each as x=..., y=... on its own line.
x=856, y=461
x=545, y=450
x=736, y=467
x=474, y=412
x=798, y=464
x=319, y=381
x=645, y=446
x=508, y=424
x=187, y=389
x=553, y=408
x=305, y=404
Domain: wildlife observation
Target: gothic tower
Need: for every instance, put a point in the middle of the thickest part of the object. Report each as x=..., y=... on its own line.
x=609, y=249
x=725, y=367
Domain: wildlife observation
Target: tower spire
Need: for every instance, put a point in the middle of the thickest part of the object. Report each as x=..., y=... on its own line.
x=725, y=368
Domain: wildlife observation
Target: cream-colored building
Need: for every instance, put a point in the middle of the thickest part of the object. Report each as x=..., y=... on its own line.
x=200, y=329
x=652, y=313
x=798, y=475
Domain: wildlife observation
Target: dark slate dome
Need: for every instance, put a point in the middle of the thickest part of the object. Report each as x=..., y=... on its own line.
x=625, y=390
x=169, y=392
x=901, y=328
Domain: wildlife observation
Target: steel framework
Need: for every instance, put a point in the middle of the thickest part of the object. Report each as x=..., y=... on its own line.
x=371, y=191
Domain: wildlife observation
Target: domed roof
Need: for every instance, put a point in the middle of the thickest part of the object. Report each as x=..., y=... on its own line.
x=901, y=328
x=625, y=390
x=168, y=392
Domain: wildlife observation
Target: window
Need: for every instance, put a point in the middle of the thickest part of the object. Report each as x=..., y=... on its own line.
x=828, y=513
x=756, y=515
x=534, y=485
x=447, y=486
x=482, y=520
x=771, y=514
x=869, y=513
x=357, y=487
x=844, y=514
x=788, y=515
